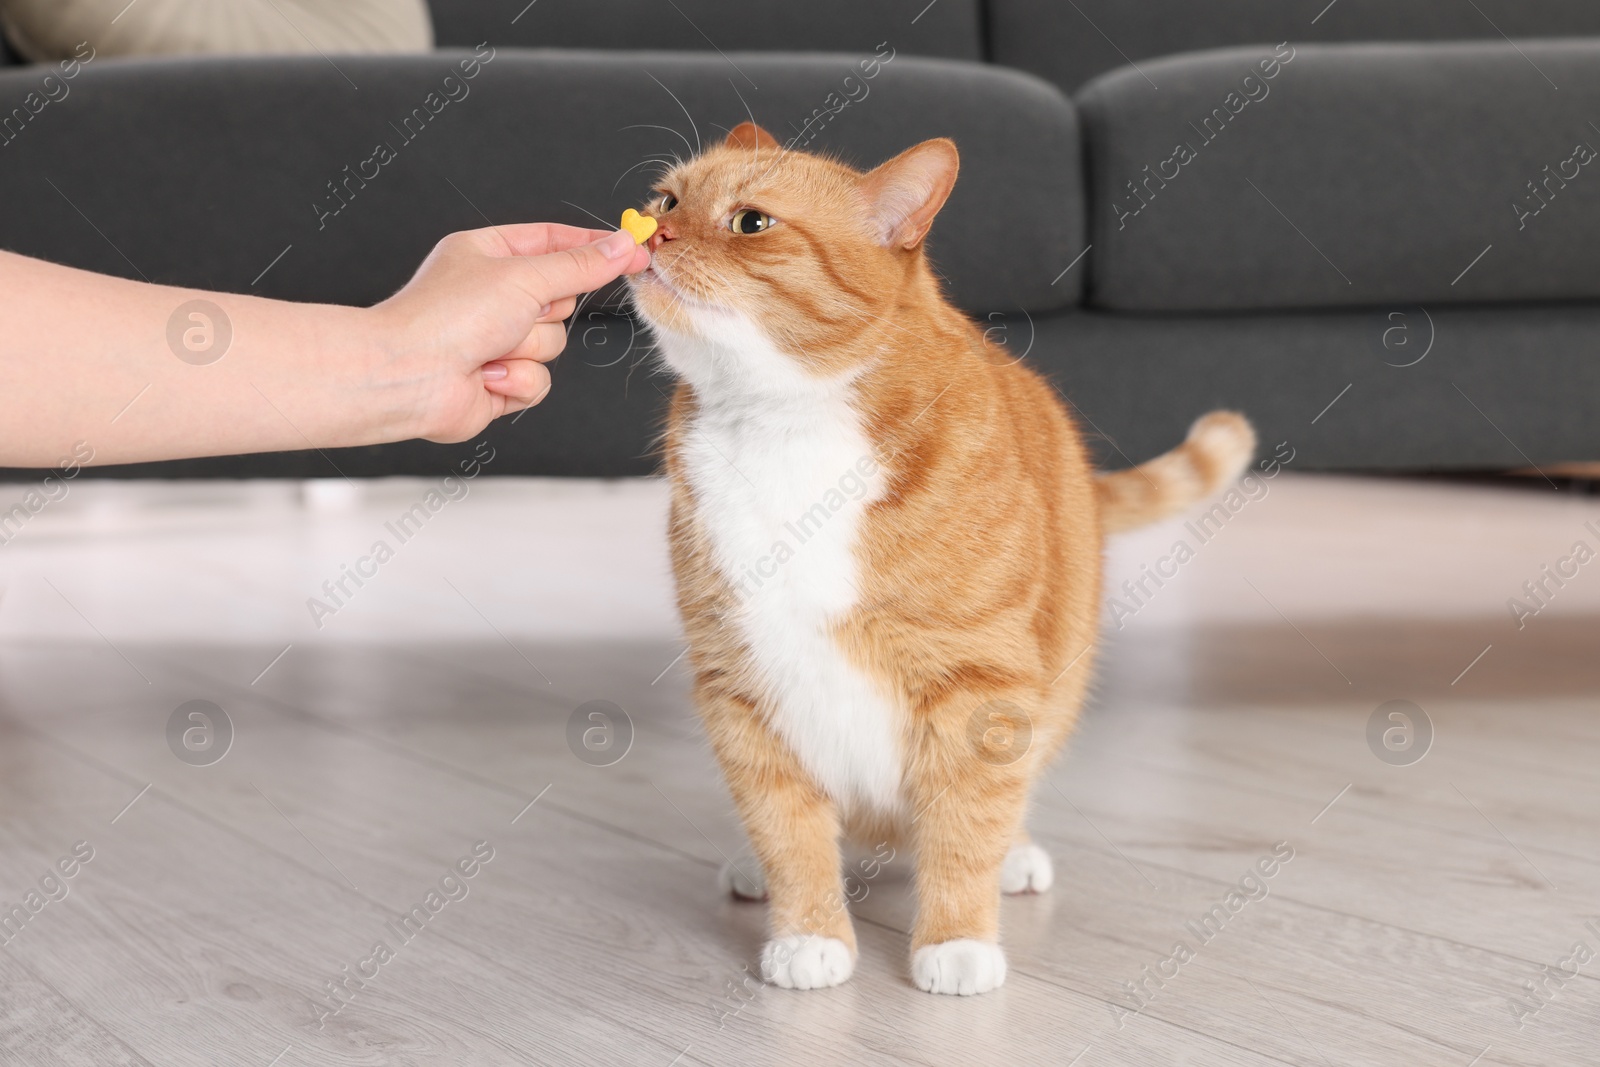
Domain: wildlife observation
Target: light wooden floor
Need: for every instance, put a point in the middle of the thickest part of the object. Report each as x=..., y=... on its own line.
x=1231, y=715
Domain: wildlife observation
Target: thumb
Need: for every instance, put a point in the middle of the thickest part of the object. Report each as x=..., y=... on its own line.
x=578, y=270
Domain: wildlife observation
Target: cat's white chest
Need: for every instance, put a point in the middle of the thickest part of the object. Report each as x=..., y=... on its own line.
x=781, y=483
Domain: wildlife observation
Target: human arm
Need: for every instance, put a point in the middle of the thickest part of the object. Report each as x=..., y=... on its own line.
x=86, y=357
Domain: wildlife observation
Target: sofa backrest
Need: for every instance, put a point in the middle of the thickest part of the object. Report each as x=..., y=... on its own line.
x=949, y=28
x=1070, y=43
x=380, y=175
x=1350, y=175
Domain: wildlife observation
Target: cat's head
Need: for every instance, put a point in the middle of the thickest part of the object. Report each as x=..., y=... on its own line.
x=761, y=249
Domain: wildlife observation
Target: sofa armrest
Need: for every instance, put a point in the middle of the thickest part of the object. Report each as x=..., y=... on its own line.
x=8, y=55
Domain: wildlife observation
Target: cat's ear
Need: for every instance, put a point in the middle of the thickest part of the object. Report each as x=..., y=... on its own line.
x=905, y=193
x=749, y=135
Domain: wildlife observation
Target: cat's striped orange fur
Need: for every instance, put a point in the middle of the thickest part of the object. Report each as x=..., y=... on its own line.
x=906, y=672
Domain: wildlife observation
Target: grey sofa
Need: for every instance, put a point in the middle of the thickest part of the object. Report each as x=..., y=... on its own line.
x=1377, y=242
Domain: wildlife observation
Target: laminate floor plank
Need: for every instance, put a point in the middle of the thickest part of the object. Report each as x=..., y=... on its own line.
x=191, y=943
x=565, y=896
x=1190, y=824
x=1422, y=904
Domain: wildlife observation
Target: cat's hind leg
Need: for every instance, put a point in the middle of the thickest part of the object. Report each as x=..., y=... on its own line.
x=741, y=876
x=872, y=837
x=1027, y=868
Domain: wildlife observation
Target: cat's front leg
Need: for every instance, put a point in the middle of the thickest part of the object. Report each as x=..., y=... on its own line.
x=793, y=829
x=968, y=802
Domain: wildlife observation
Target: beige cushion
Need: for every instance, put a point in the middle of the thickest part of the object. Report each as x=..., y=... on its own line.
x=45, y=30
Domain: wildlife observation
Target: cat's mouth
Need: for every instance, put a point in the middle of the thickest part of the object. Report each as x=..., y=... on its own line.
x=657, y=273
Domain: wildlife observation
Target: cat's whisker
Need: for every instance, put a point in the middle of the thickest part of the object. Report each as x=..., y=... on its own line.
x=657, y=160
x=686, y=114
x=679, y=265
x=645, y=354
x=715, y=276
x=675, y=299
x=747, y=112
x=783, y=151
x=669, y=129
x=592, y=215
x=679, y=302
x=572, y=320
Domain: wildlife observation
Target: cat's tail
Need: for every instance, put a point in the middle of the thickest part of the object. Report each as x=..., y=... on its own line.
x=1219, y=447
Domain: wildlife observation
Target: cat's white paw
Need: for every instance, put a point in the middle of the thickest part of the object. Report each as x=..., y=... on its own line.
x=743, y=878
x=1027, y=869
x=962, y=967
x=806, y=961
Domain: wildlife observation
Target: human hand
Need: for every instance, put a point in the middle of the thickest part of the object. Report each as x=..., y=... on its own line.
x=466, y=340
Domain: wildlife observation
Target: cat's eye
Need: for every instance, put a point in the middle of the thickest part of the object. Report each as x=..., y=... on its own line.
x=748, y=220
x=668, y=201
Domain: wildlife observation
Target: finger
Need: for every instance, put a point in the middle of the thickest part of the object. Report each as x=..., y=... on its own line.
x=525, y=381
x=578, y=270
x=533, y=238
x=543, y=343
x=558, y=311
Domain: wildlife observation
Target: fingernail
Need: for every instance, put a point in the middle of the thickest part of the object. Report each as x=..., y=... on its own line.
x=544, y=311
x=616, y=245
x=493, y=372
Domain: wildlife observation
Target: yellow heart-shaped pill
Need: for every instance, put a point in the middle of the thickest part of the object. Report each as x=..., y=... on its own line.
x=641, y=226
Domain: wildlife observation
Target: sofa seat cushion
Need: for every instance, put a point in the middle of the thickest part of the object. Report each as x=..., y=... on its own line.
x=1345, y=175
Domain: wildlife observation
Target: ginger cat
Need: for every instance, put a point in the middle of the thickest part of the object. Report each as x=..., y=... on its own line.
x=887, y=542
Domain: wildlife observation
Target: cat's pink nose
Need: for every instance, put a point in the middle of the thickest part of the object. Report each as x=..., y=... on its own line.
x=663, y=233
